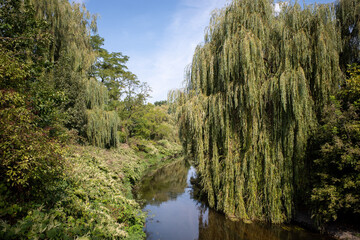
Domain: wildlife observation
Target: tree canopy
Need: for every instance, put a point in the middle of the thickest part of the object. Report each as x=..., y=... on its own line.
x=254, y=94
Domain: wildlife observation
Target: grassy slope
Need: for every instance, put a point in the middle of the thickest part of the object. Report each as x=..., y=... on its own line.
x=94, y=199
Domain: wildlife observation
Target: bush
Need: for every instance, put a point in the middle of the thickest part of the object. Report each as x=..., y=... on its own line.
x=336, y=168
x=28, y=156
x=92, y=200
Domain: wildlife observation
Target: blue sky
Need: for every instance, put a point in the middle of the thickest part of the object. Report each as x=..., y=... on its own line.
x=159, y=36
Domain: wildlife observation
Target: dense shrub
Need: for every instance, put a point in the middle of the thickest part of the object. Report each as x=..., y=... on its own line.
x=28, y=156
x=154, y=123
x=336, y=168
x=92, y=200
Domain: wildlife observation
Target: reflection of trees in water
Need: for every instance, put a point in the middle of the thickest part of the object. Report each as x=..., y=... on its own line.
x=214, y=226
x=218, y=227
x=170, y=181
x=164, y=184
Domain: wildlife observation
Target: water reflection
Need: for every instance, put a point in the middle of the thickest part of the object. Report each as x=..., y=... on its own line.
x=218, y=226
x=164, y=184
x=175, y=214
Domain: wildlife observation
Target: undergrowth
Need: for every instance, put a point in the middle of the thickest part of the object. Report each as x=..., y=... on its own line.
x=93, y=200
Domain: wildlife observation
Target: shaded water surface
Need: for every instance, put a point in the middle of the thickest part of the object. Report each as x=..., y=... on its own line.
x=173, y=212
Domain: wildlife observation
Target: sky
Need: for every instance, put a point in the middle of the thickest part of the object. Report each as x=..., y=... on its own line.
x=159, y=36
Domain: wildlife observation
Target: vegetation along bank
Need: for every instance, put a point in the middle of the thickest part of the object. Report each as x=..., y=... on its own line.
x=269, y=114
x=270, y=111
x=76, y=131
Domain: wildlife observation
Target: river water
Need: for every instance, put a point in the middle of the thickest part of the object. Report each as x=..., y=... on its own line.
x=174, y=214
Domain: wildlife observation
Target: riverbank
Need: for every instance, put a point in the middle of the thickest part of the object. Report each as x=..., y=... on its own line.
x=171, y=191
x=93, y=198
x=302, y=219
x=335, y=230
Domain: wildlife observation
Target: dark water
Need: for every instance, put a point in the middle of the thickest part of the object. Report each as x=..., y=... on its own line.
x=174, y=214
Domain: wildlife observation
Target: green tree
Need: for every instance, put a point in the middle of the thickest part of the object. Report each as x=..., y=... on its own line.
x=50, y=43
x=135, y=94
x=108, y=68
x=160, y=103
x=154, y=123
x=71, y=54
x=348, y=15
x=336, y=156
x=253, y=94
x=24, y=40
x=46, y=55
x=126, y=95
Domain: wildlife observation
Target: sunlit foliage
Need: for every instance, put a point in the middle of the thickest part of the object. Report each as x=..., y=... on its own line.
x=335, y=153
x=58, y=87
x=28, y=157
x=253, y=94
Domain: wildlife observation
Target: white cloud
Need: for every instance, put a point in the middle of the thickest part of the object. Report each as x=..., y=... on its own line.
x=165, y=69
x=278, y=6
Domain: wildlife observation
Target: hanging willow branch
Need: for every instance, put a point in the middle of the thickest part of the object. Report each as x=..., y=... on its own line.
x=96, y=94
x=102, y=128
x=253, y=93
x=70, y=26
x=102, y=125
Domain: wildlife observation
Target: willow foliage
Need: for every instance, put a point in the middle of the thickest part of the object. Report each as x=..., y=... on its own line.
x=348, y=15
x=71, y=55
x=102, y=127
x=96, y=94
x=253, y=93
x=70, y=25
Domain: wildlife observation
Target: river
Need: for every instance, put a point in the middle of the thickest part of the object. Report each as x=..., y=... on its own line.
x=167, y=194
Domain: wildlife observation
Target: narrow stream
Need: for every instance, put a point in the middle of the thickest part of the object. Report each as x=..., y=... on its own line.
x=174, y=214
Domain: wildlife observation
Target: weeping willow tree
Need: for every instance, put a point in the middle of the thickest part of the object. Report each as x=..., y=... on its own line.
x=102, y=126
x=70, y=25
x=348, y=15
x=71, y=56
x=96, y=94
x=253, y=93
